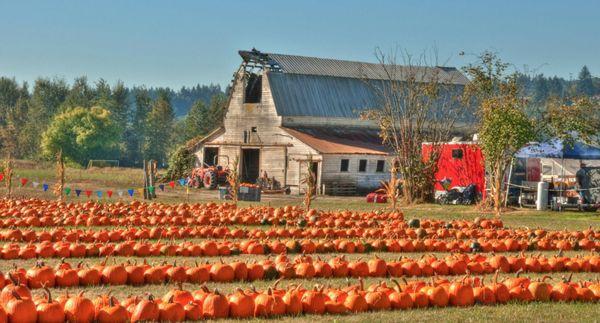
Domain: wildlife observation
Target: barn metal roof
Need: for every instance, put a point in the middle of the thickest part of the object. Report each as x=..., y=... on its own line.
x=320, y=96
x=294, y=64
x=322, y=87
x=340, y=140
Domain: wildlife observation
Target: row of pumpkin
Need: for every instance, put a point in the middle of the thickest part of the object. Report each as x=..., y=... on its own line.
x=41, y=213
x=186, y=232
x=19, y=305
x=211, y=248
x=304, y=267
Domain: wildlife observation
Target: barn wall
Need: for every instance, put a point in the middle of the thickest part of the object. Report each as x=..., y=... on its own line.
x=364, y=181
x=277, y=147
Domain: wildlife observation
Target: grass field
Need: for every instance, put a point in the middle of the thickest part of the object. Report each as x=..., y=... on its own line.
x=115, y=179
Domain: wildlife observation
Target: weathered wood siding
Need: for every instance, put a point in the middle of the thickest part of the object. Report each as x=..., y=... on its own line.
x=364, y=181
x=278, y=150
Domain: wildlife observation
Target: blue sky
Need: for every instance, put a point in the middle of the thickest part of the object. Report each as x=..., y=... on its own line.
x=175, y=43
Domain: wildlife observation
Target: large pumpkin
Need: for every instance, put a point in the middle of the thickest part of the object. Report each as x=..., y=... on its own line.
x=21, y=310
x=79, y=309
x=145, y=310
x=50, y=311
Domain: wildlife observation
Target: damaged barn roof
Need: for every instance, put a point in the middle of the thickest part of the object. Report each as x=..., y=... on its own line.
x=295, y=64
x=332, y=88
x=340, y=140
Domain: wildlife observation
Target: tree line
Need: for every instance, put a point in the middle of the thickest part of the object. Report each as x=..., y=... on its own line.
x=103, y=121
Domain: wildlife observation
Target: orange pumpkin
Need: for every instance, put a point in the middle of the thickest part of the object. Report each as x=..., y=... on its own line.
x=145, y=310
x=215, y=305
x=241, y=305
x=21, y=310
x=49, y=310
x=79, y=309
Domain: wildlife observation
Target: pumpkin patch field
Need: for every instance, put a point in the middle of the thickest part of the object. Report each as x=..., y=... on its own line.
x=135, y=261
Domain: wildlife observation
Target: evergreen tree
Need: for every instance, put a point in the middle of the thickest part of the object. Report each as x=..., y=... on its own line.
x=136, y=129
x=540, y=88
x=197, y=121
x=159, y=127
x=216, y=111
x=556, y=87
x=80, y=94
x=584, y=85
x=47, y=97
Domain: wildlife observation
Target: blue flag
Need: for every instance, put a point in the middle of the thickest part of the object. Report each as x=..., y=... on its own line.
x=162, y=187
x=77, y=192
x=45, y=187
x=130, y=191
x=182, y=181
x=99, y=193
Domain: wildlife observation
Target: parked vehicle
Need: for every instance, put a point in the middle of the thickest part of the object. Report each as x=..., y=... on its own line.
x=210, y=176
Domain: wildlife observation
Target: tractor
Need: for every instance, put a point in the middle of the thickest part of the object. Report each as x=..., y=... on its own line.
x=210, y=176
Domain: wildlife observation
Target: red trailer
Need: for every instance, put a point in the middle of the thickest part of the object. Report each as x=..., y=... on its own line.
x=462, y=163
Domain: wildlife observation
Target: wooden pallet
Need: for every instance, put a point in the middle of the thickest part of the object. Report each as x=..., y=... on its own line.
x=340, y=189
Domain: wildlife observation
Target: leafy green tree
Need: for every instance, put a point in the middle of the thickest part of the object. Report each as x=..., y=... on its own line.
x=159, y=127
x=181, y=162
x=584, y=85
x=82, y=134
x=504, y=126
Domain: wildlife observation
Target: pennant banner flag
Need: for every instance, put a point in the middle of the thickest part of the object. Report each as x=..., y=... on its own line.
x=151, y=189
x=109, y=193
x=162, y=187
x=88, y=193
x=1, y=177
x=120, y=193
x=45, y=187
x=23, y=181
x=99, y=193
x=130, y=192
x=172, y=184
x=141, y=191
x=182, y=181
x=35, y=184
x=68, y=190
x=78, y=192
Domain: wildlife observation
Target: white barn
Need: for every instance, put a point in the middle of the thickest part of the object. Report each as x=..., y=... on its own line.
x=285, y=110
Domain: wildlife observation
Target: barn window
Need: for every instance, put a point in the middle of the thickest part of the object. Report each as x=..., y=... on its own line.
x=253, y=89
x=457, y=153
x=344, y=165
x=380, y=166
x=362, y=165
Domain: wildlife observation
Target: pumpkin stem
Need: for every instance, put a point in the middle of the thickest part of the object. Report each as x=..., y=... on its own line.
x=399, y=288
x=16, y=295
x=14, y=280
x=518, y=273
x=48, y=295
